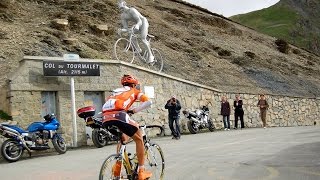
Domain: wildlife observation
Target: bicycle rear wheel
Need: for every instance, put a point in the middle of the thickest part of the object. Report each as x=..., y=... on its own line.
x=123, y=50
x=157, y=65
x=106, y=172
x=154, y=161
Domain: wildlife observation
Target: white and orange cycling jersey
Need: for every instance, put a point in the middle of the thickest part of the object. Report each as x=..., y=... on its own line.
x=122, y=99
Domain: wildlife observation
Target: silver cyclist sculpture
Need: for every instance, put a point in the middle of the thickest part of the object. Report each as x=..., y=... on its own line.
x=125, y=49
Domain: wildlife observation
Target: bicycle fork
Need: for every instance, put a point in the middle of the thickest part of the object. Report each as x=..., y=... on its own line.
x=150, y=156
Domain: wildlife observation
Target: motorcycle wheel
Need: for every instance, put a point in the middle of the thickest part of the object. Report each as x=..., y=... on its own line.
x=211, y=126
x=59, y=144
x=11, y=150
x=98, y=139
x=192, y=127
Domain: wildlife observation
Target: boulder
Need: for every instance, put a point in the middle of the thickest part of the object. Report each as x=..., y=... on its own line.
x=102, y=29
x=70, y=41
x=61, y=24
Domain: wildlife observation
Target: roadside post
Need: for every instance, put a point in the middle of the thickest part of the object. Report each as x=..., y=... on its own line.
x=71, y=66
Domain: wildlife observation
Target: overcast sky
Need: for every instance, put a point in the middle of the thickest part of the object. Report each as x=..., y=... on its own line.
x=232, y=7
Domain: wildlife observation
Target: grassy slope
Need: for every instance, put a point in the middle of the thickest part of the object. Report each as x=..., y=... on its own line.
x=277, y=21
x=283, y=21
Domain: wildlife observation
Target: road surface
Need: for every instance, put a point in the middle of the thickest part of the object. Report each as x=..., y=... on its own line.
x=287, y=153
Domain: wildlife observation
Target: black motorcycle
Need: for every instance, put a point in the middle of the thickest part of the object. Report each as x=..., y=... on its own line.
x=100, y=136
x=199, y=119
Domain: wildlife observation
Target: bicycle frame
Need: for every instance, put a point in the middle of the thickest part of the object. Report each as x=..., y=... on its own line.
x=125, y=160
x=131, y=167
x=132, y=39
x=129, y=164
x=130, y=47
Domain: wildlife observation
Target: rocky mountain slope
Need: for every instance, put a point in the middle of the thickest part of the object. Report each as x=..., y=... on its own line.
x=297, y=21
x=198, y=45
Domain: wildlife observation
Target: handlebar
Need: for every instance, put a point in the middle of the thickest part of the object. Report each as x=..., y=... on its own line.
x=128, y=30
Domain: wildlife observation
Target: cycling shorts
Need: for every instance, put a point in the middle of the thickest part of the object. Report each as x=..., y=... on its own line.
x=122, y=121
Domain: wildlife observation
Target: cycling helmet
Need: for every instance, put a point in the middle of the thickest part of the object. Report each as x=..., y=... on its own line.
x=128, y=80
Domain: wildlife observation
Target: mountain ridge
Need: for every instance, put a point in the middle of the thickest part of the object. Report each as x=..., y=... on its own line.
x=198, y=45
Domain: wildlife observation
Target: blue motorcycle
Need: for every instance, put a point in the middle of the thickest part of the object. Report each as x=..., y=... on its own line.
x=36, y=138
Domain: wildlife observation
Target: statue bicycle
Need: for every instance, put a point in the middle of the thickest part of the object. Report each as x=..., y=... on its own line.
x=126, y=49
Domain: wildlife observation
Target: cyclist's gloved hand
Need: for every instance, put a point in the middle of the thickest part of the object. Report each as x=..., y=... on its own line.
x=136, y=27
x=120, y=31
x=130, y=112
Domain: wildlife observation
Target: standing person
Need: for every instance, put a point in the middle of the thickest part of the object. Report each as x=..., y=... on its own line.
x=130, y=14
x=173, y=106
x=263, y=105
x=238, y=112
x=117, y=111
x=225, y=112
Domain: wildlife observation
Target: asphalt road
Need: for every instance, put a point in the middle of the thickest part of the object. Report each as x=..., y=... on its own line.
x=291, y=153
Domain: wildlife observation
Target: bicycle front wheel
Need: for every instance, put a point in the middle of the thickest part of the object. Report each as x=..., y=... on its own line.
x=123, y=50
x=157, y=64
x=154, y=161
x=108, y=173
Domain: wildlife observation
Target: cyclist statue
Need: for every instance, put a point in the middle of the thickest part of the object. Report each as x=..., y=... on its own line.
x=116, y=112
x=141, y=25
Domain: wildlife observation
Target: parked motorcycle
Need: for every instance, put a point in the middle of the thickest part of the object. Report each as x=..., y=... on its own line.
x=199, y=119
x=36, y=138
x=100, y=136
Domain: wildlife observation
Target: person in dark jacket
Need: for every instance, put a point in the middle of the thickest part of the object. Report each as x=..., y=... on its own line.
x=225, y=112
x=238, y=112
x=173, y=106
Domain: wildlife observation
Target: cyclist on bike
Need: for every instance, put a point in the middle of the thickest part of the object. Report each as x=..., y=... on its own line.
x=117, y=111
x=141, y=25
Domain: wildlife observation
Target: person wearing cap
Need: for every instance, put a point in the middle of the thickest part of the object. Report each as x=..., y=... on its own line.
x=174, y=107
x=263, y=105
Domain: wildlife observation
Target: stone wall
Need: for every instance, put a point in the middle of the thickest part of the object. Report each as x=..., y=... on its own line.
x=4, y=99
x=28, y=83
x=283, y=110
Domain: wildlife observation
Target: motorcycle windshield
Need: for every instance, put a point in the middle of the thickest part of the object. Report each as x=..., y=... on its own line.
x=198, y=112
